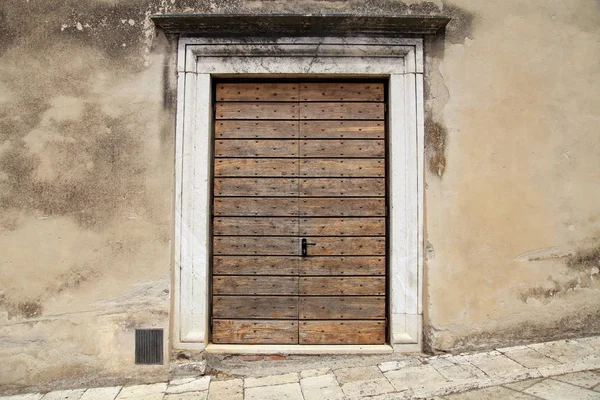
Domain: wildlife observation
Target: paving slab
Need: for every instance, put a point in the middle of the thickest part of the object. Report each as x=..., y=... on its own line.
x=528, y=357
x=550, y=389
x=499, y=368
x=271, y=380
x=450, y=370
x=586, y=379
x=187, y=396
x=26, y=396
x=491, y=393
x=416, y=378
x=358, y=389
x=345, y=375
x=186, y=385
x=322, y=387
x=288, y=391
x=103, y=393
x=522, y=385
x=231, y=389
x=564, y=351
x=74, y=394
x=143, y=392
x=314, y=372
x=394, y=365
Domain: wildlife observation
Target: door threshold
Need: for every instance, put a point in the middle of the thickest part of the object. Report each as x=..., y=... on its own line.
x=299, y=348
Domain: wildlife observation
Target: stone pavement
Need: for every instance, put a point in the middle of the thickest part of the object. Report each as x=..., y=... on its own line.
x=565, y=369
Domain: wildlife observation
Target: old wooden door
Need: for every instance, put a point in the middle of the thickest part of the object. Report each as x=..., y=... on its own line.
x=294, y=161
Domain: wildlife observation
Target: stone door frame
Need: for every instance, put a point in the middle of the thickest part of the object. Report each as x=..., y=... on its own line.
x=202, y=59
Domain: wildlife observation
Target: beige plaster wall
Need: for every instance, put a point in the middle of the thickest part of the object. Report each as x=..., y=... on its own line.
x=86, y=176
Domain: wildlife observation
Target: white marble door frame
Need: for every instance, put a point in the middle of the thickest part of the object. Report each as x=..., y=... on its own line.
x=202, y=59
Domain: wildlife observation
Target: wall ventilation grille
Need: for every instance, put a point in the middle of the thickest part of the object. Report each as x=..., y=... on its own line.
x=149, y=346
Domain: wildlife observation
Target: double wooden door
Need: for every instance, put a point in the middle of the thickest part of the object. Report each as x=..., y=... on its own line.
x=299, y=162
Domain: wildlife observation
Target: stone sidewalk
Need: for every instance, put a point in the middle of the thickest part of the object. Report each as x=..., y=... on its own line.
x=565, y=369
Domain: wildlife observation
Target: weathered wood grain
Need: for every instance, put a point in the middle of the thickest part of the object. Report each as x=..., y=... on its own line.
x=342, y=286
x=342, y=307
x=342, y=226
x=342, y=148
x=256, y=111
x=245, y=245
x=256, y=148
x=254, y=332
x=334, y=111
x=259, y=206
x=263, y=167
x=271, y=91
x=241, y=129
x=341, y=265
x=319, y=167
x=347, y=246
x=255, y=187
x=342, y=129
x=323, y=207
x=255, y=285
x=251, y=265
x=342, y=332
x=260, y=307
x=341, y=91
x=325, y=187
x=247, y=226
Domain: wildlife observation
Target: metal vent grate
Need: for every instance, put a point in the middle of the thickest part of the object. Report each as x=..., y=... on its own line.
x=148, y=346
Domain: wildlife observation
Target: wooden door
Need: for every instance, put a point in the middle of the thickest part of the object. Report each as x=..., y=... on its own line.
x=293, y=161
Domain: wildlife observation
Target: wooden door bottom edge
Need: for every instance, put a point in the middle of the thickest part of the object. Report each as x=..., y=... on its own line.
x=308, y=349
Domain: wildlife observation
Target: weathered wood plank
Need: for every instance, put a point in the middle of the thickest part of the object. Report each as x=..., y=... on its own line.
x=264, y=129
x=256, y=148
x=341, y=91
x=257, y=167
x=263, y=206
x=320, y=207
x=254, y=332
x=342, y=226
x=342, y=307
x=324, y=187
x=374, y=111
x=342, y=148
x=247, y=226
x=250, y=265
x=342, y=129
x=255, y=187
x=342, y=332
x=263, y=307
x=341, y=266
x=258, y=91
x=245, y=245
x=342, y=286
x=348, y=246
x=255, y=285
x=319, y=167
x=257, y=110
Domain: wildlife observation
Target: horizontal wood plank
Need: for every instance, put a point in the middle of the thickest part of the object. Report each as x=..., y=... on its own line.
x=254, y=332
x=263, y=129
x=342, y=148
x=320, y=167
x=247, y=226
x=341, y=91
x=342, y=129
x=342, y=332
x=250, y=265
x=256, y=111
x=342, y=227
x=323, y=207
x=255, y=285
x=341, y=266
x=257, y=91
x=347, y=246
x=257, y=206
x=342, y=286
x=256, y=167
x=325, y=187
x=255, y=187
x=260, y=307
x=342, y=110
x=256, y=148
x=342, y=307
x=245, y=245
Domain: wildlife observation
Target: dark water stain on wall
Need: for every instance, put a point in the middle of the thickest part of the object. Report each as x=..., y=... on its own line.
x=585, y=259
x=436, y=137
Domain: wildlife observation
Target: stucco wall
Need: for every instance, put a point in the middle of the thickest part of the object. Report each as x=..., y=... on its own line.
x=86, y=176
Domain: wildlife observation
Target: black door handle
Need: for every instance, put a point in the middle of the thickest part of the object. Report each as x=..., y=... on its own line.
x=305, y=245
